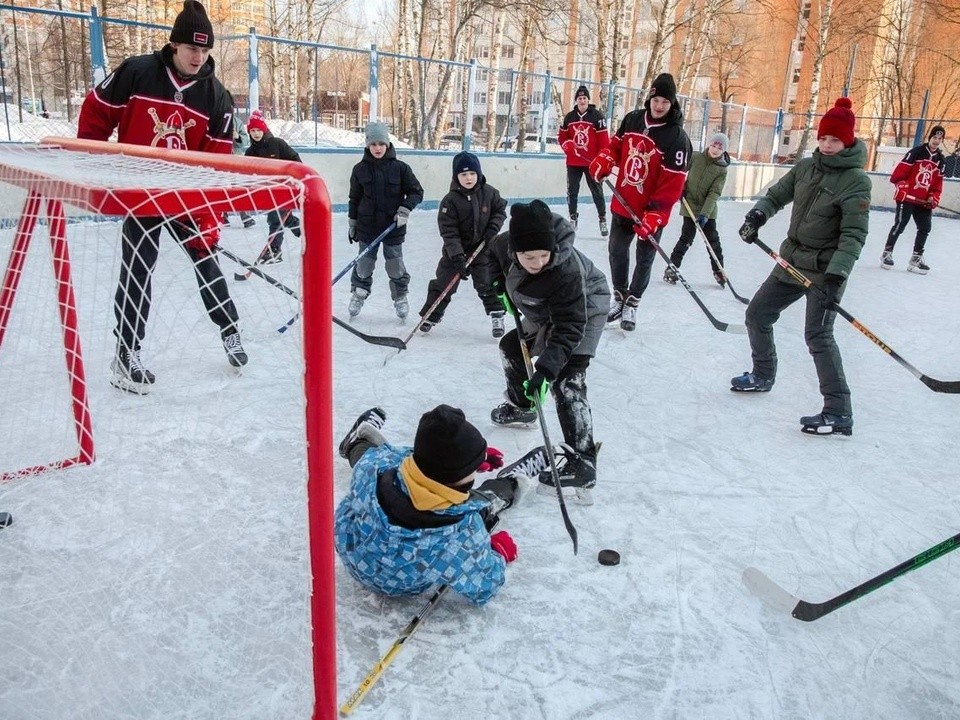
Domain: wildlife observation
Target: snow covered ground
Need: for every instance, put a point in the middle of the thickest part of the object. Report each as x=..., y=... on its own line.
x=168, y=580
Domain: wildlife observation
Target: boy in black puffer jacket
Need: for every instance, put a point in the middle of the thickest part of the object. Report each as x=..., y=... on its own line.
x=263, y=144
x=470, y=214
x=383, y=190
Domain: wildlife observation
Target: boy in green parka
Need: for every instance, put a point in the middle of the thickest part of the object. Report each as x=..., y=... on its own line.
x=828, y=227
x=705, y=179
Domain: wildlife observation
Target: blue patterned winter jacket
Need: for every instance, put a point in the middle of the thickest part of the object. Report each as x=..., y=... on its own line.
x=400, y=561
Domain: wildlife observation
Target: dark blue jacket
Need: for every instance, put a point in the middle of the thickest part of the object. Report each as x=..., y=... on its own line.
x=377, y=190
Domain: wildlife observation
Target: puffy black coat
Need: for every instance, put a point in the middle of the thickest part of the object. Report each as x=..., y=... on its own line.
x=468, y=217
x=270, y=146
x=378, y=187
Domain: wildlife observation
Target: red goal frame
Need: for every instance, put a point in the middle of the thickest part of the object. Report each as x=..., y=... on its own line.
x=46, y=190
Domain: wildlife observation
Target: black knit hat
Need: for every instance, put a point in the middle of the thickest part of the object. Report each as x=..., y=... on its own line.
x=466, y=162
x=192, y=26
x=937, y=129
x=582, y=90
x=531, y=227
x=664, y=87
x=447, y=448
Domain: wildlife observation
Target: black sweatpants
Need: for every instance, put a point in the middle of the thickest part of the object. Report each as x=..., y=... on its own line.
x=618, y=248
x=276, y=221
x=921, y=216
x=574, y=174
x=140, y=249
x=481, y=273
x=688, y=232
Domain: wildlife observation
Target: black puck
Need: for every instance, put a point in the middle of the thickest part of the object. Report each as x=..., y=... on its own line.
x=5, y=519
x=608, y=557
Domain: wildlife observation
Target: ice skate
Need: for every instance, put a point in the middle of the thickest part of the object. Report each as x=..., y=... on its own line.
x=720, y=278
x=886, y=260
x=366, y=427
x=604, y=230
x=498, y=325
x=827, y=424
x=574, y=217
x=234, y=349
x=402, y=307
x=129, y=373
x=426, y=326
x=748, y=382
x=357, y=299
x=509, y=414
x=670, y=275
x=577, y=474
x=628, y=320
x=616, y=307
x=917, y=265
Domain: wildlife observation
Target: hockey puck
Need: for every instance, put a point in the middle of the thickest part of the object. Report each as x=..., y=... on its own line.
x=5, y=519
x=608, y=557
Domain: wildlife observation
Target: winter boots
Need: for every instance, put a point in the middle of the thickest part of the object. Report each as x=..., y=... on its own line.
x=498, y=325
x=886, y=259
x=827, y=424
x=748, y=382
x=129, y=373
x=366, y=427
x=357, y=299
x=577, y=473
x=917, y=265
x=509, y=414
x=232, y=346
x=628, y=318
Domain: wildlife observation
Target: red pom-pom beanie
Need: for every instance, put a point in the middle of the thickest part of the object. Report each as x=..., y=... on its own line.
x=840, y=122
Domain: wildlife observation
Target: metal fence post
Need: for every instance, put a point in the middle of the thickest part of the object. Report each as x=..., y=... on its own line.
x=253, y=72
x=777, y=129
x=374, y=109
x=548, y=83
x=922, y=121
x=611, y=103
x=471, y=91
x=98, y=61
x=704, y=121
x=743, y=131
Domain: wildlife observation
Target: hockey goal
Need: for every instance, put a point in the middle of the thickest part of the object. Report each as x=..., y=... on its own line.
x=184, y=566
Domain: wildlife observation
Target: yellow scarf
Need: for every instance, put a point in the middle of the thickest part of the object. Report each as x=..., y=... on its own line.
x=427, y=494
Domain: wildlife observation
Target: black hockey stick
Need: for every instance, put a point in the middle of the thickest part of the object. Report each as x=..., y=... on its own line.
x=721, y=326
x=941, y=386
x=528, y=363
x=369, y=249
x=270, y=238
x=384, y=340
x=775, y=596
x=713, y=255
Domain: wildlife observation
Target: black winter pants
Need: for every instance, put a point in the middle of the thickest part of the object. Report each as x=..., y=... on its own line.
x=569, y=391
x=921, y=216
x=618, y=248
x=764, y=310
x=481, y=273
x=574, y=175
x=688, y=232
x=276, y=221
x=140, y=248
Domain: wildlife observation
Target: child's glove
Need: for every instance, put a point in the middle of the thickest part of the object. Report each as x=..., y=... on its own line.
x=492, y=461
x=752, y=222
x=502, y=543
x=352, y=231
x=702, y=221
x=403, y=214
x=536, y=388
x=460, y=264
x=831, y=289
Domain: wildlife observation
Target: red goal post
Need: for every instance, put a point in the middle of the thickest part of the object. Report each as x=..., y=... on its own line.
x=113, y=179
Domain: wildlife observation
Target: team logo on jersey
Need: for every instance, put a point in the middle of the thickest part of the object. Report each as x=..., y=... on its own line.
x=924, y=176
x=581, y=136
x=636, y=168
x=171, y=133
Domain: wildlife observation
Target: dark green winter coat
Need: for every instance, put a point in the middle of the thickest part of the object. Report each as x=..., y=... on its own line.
x=705, y=180
x=831, y=206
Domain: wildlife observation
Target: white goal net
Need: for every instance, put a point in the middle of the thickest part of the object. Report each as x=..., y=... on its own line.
x=168, y=542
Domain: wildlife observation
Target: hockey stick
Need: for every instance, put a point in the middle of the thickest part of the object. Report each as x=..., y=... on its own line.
x=374, y=675
x=270, y=238
x=370, y=248
x=528, y=363
x=775, y=596
x=384, y=340
x=721, y=326
x=446, y=291
x=941, y=386
x=706, y=241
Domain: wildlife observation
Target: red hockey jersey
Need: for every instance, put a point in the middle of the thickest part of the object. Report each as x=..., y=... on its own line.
x=583, y=136
x=919, y=177
x=149, y=104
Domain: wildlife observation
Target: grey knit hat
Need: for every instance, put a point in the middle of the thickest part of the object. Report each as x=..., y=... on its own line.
x=377, y=132
x=720, y=138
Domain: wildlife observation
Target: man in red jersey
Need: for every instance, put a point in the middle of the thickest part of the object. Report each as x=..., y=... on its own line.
x=651, y=151
x=168, y=99
x=583, y=133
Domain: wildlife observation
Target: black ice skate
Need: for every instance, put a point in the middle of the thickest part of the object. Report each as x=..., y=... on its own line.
x=917, y=265
x=129, y=372
x=616, y=307
x=604, y=230
x=886, y=259
x=720, y=278
x=827, y=424
x=509, y=414
x=374, y=418
x=670, y=275
x=498, y=324
x=577, y=474
x=233, y=348
x=748, y=382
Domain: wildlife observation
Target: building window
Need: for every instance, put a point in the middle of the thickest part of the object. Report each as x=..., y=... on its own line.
x=480, y=97
x=503, y=97
x=507, y=51
x=485, y=52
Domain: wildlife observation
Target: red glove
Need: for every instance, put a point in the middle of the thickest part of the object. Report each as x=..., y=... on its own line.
x=933, y=201
x=903, y=189
x=601, y=166
x=206, y=233
x=649, y=224
x=504, y=544
x=492, y=461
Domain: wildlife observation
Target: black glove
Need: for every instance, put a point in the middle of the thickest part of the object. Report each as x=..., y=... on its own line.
x=460, y=263
x=352, y=231
x=831, y=289
x=752, y=222
x=702, y=221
